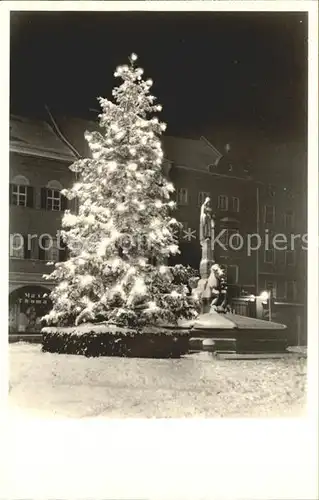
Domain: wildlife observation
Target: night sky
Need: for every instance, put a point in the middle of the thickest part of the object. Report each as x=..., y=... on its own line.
x=217, y=74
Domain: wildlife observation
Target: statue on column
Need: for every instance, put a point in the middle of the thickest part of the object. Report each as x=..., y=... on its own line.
x=212, y=287
x=206, y=222
x=206, y=238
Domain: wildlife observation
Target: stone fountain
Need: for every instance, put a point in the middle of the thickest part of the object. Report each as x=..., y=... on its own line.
x=217, y=328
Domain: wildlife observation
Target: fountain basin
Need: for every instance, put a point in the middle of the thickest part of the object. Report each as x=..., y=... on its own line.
x=239, y=334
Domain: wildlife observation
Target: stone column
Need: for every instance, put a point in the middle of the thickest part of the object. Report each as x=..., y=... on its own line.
x=206, y=260
x=204, y=270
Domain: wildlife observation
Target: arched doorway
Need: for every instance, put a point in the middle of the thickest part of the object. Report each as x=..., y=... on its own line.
x=27, y=305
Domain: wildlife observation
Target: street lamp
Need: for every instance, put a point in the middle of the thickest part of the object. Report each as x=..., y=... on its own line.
x=266, y=296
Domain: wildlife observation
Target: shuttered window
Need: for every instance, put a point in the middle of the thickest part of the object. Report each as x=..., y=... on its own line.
x=21, y=195
x=53, y=200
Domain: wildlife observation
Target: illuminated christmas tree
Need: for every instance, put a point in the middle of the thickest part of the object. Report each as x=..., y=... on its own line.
x=123, y=233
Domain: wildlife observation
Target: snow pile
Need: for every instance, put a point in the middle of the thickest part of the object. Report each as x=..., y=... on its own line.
x=85, y=328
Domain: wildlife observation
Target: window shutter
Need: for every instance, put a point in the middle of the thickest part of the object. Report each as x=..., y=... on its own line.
x=10, y=194
x=27, y=251
x=41, y=250
x=64, y=203
x=34, y=249
x=30, y=197
x=62, y=251
x=44, y=192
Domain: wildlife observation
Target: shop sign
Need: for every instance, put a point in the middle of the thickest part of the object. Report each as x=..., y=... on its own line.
x=33, y=298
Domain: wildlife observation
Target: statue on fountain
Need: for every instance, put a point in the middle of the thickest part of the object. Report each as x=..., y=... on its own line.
x=212, y=286
x=221, y=330
x=206, y=238
x=206, y=222
x=217, y=285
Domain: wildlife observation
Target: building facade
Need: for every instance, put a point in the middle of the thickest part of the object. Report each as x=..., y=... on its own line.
x=283, y=267
x=38, y=172
x=244, y=206
x=262, y=227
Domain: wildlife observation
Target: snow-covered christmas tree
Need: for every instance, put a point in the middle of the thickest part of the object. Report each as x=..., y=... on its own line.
x=123, y=232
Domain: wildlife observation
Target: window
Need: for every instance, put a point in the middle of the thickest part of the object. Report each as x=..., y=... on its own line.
x=51, y=197
x=235, y=204
x=63, y=250
x=281, y=290
x=290, y=258
x=53, y=200
x=20, y=193
x=16, y=246
x=234, y=240
x=52, y=253
x=49, y=249
x=32, y=247
x=271, y=286
x=231, y=272
x=223, y=202
x=269, y=256
x=270, y=238
x=269, y=214
x=20, y=247
x=291, y=290
x=289, y=219
x=182, y=196
x=227, y=234
x=224, y=236
x=202, y=195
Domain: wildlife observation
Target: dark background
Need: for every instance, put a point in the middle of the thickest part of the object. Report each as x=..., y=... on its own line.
x=234, y=77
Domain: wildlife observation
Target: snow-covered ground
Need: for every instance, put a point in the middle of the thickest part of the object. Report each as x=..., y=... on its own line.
x=194, y=386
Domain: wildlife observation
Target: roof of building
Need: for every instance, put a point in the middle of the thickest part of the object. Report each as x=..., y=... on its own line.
x=192, y=153
x=73, y=130
x=36, y=138
x=182, y=152
x=196, y=154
